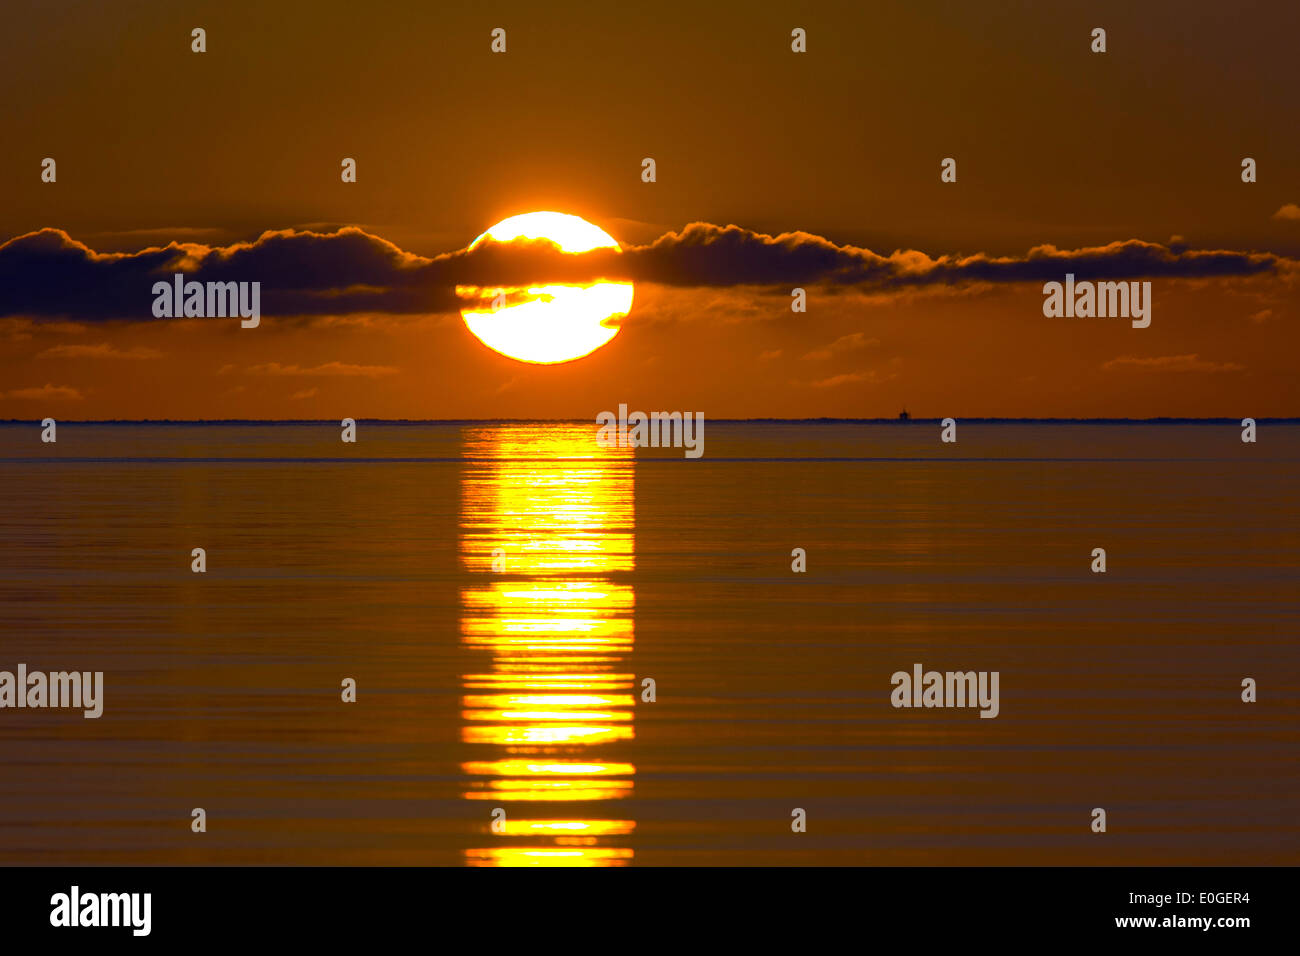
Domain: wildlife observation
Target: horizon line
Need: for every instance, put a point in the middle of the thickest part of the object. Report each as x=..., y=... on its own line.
x=1158, y=419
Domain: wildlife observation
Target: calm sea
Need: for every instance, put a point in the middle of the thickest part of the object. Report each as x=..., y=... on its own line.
x=500, y=594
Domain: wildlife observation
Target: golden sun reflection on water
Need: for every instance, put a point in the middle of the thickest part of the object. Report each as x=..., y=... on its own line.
x=546, y=533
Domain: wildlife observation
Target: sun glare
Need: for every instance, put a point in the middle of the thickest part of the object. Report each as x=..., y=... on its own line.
x=549, y=323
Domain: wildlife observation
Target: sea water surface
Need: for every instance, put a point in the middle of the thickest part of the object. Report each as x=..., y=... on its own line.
x=508, y=597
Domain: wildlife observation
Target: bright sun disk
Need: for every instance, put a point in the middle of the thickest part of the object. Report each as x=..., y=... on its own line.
x=551, y=323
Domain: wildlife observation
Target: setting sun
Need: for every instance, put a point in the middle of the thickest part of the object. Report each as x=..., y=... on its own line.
x=550, y=323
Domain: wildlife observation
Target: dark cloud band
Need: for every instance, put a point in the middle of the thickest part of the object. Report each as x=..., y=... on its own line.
x=47, y=274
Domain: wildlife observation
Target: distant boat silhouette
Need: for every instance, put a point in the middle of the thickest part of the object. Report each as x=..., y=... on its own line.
x=903, y=416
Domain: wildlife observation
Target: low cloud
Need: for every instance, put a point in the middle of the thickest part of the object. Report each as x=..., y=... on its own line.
x=45, y=393
x=836, y=380
x=1288, y=212
x=1171, y=363
x=100, y=351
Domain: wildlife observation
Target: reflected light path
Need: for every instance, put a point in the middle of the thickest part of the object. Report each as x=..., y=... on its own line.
x=547, y=537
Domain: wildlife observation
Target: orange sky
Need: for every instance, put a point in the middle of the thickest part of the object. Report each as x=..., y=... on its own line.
x=1055, y=145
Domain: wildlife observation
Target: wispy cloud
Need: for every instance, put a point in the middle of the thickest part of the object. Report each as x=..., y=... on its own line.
x=101, y=351
x=868, y=376
x=1171, y=363
x=338, y=369
x=845, y=343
